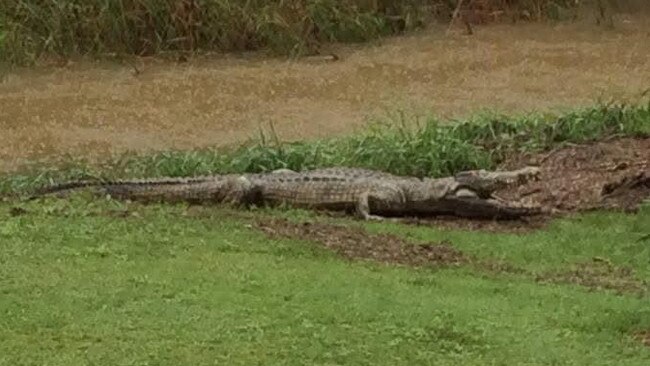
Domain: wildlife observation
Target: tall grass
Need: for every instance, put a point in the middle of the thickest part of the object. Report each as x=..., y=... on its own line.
x=30, y=29
x=145, y=27
x=432, y=149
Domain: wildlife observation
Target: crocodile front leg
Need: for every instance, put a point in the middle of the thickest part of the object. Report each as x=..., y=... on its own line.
x=381, y=199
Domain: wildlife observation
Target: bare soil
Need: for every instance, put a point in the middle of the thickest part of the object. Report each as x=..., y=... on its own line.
x=356, y=243
x=95, y=109
x=607, y=174
x=598, y=274
x=643, y=337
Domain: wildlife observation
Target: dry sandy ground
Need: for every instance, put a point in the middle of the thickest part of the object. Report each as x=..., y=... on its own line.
x=94, y=109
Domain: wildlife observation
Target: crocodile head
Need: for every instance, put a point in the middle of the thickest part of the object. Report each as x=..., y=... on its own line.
x=483, y=183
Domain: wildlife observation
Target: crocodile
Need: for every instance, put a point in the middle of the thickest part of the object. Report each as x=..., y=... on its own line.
x=370, y=194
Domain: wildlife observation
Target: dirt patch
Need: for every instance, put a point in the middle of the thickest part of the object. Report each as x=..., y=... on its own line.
x=597, y=275
x=643, y=337
x=17, y=211
x=356, y=243
x=607, y=174
x=627, y=192
x=522, y=225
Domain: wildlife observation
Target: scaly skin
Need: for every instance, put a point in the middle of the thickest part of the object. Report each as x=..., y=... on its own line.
x=233, y=189
x=368, y=192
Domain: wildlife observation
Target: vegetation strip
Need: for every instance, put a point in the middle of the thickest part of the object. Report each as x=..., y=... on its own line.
x=32, y=29
x=432, y=148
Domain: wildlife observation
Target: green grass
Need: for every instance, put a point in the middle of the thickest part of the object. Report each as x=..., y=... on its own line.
x=81, y=285
x=397, y=144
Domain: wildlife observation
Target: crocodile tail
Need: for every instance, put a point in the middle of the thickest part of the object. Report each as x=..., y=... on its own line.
x=62, y=188
x=127, y=188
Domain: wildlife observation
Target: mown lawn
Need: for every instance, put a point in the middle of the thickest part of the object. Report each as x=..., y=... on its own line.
x=82, y=283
